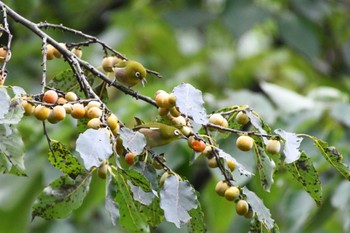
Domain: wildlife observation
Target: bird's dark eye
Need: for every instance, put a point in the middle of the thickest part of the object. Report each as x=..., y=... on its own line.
x=137, y=74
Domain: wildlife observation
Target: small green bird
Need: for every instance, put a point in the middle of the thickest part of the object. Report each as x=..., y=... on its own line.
x=158, y=134
x=130, y=73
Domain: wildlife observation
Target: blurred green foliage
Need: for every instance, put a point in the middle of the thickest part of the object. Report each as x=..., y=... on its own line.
x=227, y=49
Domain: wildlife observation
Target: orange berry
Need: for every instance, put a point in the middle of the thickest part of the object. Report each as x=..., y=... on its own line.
x=198, y=145
x=129, y=158
x=3, y=52
x=49, y=52
x=50, y=97
x=61, y=100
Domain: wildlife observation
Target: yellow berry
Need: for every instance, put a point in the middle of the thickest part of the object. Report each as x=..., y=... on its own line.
x=103, y=170
x=186, y=130
x=242, y=207
x=273, y=146
x=242, y=118
x=71, y=96
x=78, y=111
x=57, y=53
x=58, y=113
x=94, y=123
x=68, y=107
x=61, y=100
x=107, y=64
x=94, y=112
x=77, y=52
x=232, y=193
x=28, y=108
x=218, y=119
x=112, y=121
x=3, y=52
x=41, y=112
x=93, y=104
x=163, y=111
x=172, y=99
x=178, y=121
x=231, y=164
x=212, y=163
x=163, y=177
x=49, y=52
x=162, y=99
x=221, y=188
x=174, y=111
x=244, y=143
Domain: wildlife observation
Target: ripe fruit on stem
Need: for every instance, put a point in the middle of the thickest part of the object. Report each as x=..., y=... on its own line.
x=129, y=158
x=78, y=111
x=94, y=123
x=242, y=118
x=242, y=207
x=231, y=164
x=218, y=119
x=94, y=112
x=198, y=145
x=232, y=193
x=58, y=113
x=221, y=188
x=273, y=146
x=102, y=170
x=41, y=112
x=212, y=163
x=71, y=96
x=244, y=143
x=50, y=97
x=28, y=108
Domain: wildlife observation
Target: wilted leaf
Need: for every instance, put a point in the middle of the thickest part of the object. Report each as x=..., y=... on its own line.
x=190, y=102
x=129, y=210
x=264, y=164
x=61, y=158
x=61, y=197
x=239, y=166
x=133, y=141
x=263, y=213
x=177, y=198
x=94, y=146
x=11, y=150
x=291, y=146
x=305, y=173
x=333, y=156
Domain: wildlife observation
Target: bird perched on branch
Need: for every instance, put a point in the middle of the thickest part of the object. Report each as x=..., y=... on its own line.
x=130, y=73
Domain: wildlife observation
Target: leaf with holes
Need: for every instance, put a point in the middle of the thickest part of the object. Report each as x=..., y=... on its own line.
x=291, y=146
x=190, y=102
x=305, y=173
x=177, y=198
x=61, y=158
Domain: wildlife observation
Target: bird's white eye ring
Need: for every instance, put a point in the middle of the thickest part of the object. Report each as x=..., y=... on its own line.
x=137, y=74
x=177, y=132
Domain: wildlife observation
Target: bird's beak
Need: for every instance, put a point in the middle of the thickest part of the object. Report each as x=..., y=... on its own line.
x=143, y=81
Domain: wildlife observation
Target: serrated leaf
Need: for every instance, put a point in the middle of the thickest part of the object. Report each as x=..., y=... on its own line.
x=305, y=173
x=11, y=150
x=265, y=166
x=263, y=214
x=190, y=102
x=291, y=146
x=145, y=198
x=239, y=166
x=135, y=142
x=333, y=156
x=61, y=158
x=130, y=216
x=110, y=205
x=177, y=198
x=197, y=222
x=148, y=171
x=94, y=146
x=4, y=102
x=61, y=197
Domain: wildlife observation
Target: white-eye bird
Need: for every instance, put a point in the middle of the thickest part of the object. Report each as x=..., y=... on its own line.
x=130, y=73
x=159, y=134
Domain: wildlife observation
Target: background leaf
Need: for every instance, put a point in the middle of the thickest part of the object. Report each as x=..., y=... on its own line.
x=177, y=198
x=305, y=173
x=61, y=197
x=197, y=222
x=94, y=146
x=190, y=102
x=291, y=146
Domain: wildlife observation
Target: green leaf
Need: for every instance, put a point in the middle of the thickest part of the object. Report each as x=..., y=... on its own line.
x=333, y=156
x=110, y=205
x=197, y=222
x=129, y=210
x=94, y=146
x=11, y=150
x=177, y=198
x=145, y=198
x=190, y=102
x=240, y=167
x=153, y=213
x=61, y=197
x=265, y=166
x=305, y=173
x=61, y=158
x=257, y=122
x=137, y=179
x=263, y=214
x=291, y=146
x=148, y=171
x=135, y=142
x=257, y=227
